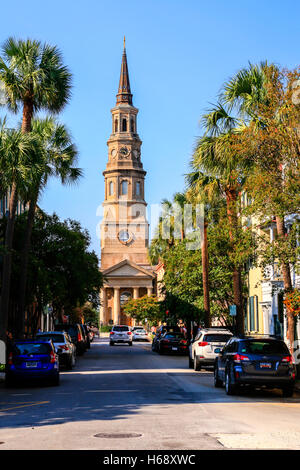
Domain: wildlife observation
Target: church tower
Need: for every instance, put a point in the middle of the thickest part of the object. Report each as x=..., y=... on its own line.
x=124, y=229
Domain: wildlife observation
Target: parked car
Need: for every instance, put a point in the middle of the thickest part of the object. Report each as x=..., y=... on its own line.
x=32, y=360
x=86, y=335
x=75, y=332
x=64, y=347
x=202, y=350
x=160, y=331
x=261, y=362
x=120, y=334
x=140, y=334
x=173, y=342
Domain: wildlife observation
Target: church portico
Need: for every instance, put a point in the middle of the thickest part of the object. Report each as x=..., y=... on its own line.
x=123, y=282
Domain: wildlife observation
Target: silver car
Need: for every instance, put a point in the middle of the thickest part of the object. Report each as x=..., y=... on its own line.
x=120, y=334
x=140, y=334
x=64, y=347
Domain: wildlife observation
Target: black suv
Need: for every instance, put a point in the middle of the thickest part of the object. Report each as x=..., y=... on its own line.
x=77, y=335
x=258, y=361
x=160, y=331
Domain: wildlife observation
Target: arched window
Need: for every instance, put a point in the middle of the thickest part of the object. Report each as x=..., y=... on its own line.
x=111, y=188
x=116, y=125
x=132, y=125
x=124, y=187
x=124, y=297
x=124, y=125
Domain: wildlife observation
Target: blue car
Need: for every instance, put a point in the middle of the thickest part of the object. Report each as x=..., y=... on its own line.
x=32, y=360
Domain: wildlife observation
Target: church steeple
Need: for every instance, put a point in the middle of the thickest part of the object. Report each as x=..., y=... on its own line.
x=124, y=93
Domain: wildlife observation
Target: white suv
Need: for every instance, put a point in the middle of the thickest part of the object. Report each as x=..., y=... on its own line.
x=202, y=348
x=120, y=334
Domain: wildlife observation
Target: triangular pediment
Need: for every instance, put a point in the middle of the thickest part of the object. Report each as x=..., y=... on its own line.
x=127, y=269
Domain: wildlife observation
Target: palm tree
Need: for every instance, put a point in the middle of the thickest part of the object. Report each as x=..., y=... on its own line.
x=58, y=156
x=246, y=92
x=18, y=166
x=33, y=77
x=217, y=167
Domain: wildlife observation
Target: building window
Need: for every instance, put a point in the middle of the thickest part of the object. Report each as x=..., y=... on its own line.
x=111, y=188
x=116, y=125
x=138, y=188
x=124, y=125
x=124, y=297
x=124, y=188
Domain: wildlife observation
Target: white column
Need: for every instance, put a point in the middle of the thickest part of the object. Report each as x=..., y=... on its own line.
x=116, y=315
x=104, y=304
x=135, y=292
x=149, y=291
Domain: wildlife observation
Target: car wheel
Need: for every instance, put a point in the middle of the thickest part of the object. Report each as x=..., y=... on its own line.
x=111, y=343
x=9, y=381
x=218, y=383
x=56, y=380
x=288, y=392
x=130, y=344
x=197, y=365
x=191, y=363
x=230, y=387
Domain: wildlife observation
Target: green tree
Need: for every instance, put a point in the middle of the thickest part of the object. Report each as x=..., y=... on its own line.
x=264, y=94
x=146, y=310
x=18, y=166
x=58, y=156
x=62, y=271
x=219, y=165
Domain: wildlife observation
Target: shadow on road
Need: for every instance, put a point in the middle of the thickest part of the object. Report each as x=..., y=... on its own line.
x=111, y=383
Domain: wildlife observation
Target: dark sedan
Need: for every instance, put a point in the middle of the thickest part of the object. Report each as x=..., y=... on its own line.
x=173, y=343
x=260, y=362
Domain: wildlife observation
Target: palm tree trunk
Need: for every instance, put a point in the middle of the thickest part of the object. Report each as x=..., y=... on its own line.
x=7, y=262
x=24, y=262
x=205, y=279
x=27, y=116
x=231, y=200
x=287, y=283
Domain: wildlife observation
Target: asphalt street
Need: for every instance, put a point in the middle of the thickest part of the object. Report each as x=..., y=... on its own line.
x=126, y=397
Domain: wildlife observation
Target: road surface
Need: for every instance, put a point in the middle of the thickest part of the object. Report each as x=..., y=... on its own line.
x=130, y=398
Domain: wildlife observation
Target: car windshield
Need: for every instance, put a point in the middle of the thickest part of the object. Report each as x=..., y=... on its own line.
x=264, y=347
x=140, y=331
x=218, y=338
x=32, y=348
x=55, y=338
x=120, y=328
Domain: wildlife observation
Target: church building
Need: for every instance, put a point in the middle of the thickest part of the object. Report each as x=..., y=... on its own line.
x=124, y=228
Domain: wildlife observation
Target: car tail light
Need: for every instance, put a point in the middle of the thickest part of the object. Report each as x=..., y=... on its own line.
x=52, y=357
x=64, y=346
x=287, y=359
x=183, y=341
x=129, y=333
x=10, y=359
x=203, y=343
x=112, y=332
x=79, y=337
x=240, y=358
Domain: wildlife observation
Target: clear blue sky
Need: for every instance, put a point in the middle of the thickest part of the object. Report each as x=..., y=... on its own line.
x=179, y=54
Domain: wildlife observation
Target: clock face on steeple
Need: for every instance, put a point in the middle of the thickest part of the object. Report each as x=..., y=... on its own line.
x=124, y=151
x=124, y=236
